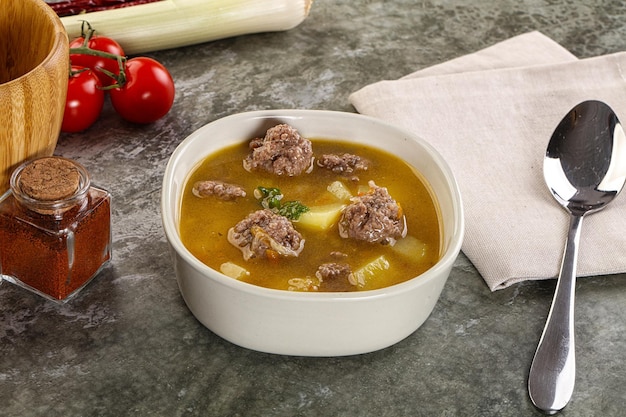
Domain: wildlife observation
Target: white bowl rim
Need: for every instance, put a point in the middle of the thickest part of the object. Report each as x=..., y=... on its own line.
x=171, y=229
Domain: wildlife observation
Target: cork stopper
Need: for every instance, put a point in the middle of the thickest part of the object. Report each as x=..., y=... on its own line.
x=50, y=185
x=49, y=179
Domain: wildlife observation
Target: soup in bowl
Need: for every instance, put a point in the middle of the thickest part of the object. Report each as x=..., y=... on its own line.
x=282, y=298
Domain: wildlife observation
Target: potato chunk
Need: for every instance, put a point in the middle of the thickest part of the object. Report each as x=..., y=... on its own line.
x=411, y=247
x=321, y=217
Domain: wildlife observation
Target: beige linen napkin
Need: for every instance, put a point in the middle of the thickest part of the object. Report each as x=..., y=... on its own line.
x=491, y=115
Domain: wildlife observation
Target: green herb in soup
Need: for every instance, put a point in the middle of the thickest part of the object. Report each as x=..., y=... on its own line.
x=271, y=199
x=291, y=213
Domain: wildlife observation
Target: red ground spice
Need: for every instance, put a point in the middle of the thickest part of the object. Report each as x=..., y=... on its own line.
x=55, y=255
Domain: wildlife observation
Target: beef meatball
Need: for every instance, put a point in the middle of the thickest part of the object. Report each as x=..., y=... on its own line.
x=342, y=164
x=373, y=217
x=265, y=234
x=282, y=151
x=335, y=276
x=222, y=190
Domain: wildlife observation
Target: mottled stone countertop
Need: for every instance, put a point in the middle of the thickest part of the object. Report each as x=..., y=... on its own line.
x=128, y=345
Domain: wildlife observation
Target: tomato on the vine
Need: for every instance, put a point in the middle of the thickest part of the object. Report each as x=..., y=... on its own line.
x=84, y=100
x=98, y=43
x=148, y=93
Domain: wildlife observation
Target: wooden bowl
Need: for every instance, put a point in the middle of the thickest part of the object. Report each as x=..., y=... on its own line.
x=34, y=65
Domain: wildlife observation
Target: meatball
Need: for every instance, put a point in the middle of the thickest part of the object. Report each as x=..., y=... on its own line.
x=373, y=217
x=265, y=234
x=219, y=189
x=282, y=151
x=342, y=164
x=335, y=276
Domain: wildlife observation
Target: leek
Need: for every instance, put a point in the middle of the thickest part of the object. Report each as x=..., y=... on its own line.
x=367, y=275
x=173, y=23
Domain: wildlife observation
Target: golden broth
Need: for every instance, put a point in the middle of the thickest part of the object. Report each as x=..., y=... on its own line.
x=204, y=222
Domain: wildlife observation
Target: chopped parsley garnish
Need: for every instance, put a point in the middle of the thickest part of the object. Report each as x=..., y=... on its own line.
x=292, y=209
x=271, y=199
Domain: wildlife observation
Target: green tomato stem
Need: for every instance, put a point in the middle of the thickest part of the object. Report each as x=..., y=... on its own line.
x=87, y=33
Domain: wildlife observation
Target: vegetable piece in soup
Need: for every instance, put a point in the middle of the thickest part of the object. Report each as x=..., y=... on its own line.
x=357, y=219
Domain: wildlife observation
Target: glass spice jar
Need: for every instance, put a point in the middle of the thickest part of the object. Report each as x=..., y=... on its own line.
x=55, y=228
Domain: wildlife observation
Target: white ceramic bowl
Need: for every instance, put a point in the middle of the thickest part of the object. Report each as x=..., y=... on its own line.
x=310, y=324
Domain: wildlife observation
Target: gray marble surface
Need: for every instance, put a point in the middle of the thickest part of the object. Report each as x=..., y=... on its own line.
x=129, y=346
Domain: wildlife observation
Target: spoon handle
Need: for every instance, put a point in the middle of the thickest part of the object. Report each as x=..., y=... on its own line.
x=553, y=370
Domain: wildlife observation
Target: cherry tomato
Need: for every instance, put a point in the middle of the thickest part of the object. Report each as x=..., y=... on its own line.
x=99, y=43
x=148, y=93
x=84, y=100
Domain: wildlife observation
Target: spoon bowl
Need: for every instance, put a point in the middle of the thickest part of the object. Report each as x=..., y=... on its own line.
x=585, y=169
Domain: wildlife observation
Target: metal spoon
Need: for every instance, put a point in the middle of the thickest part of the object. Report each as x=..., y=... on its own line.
x=585, y=168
